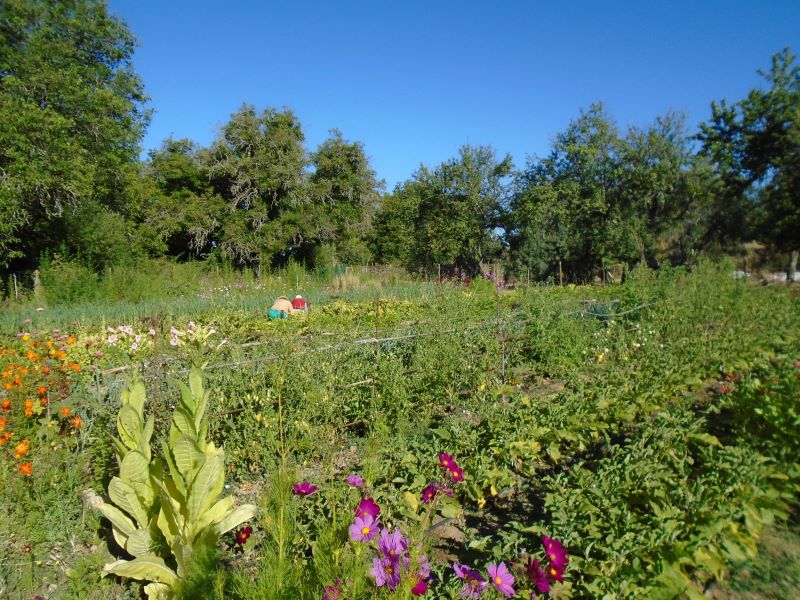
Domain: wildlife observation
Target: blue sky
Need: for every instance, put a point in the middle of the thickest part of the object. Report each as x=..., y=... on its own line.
x=415, y=80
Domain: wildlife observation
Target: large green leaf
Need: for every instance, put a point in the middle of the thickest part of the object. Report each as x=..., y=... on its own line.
x=129, y=426
x=158, y=591
x=117, y=518
x=188, y=458
x=207, y=486
x=143, y=568
x=124, y=496
x=136, y=397
x=239, y=515
x=140, y=543
x=147, y=433
x=174, y=473
x=213, y=515
x=183, y=422
x=135, y=470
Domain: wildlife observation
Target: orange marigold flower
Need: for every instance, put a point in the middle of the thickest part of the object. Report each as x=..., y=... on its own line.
x=45, y=370
x=76, y=422
x=76, y=367
x=28, y=408
x=3, y=423
x=25, y=469
x=49, y=343
x=71, y=340
x=42, y=390
x=21, y=449
x=65, y=411
x=8, y=385
x=5, y=404
x=5, y=438
x=43, y=401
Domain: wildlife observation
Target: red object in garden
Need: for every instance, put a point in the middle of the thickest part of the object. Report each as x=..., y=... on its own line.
x=299, y=303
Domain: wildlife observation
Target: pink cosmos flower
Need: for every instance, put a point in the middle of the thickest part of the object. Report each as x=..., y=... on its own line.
x=303, y=489
x=386, y=572
x=419, y=588
x=474, y=583
x=445, y=460
x=392, y=544
x=556, y=553
x=428, y=494
x=502, y=579
x=538, y=576
x=456, y=473
x=367, y=506
x=364, y=529
x=354, y=480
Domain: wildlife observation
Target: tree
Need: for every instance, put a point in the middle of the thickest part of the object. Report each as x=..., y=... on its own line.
x=344, y=193
x=71, y=117
x=603, y=198
x=181, y=213
x=754, y=146
x=257, y=165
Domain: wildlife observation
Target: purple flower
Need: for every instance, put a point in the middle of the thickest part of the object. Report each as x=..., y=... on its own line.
x=364, y=529
x=538, y=576
x=392, y=544
x=428, y=494
x=354, y=480
x=556, y=553
x=424, y=567
x=303, y=489
x=474, y=583
x=445, y=460
x=332, y=592
x=367, y=506
x=386, y=572
x=502, y=579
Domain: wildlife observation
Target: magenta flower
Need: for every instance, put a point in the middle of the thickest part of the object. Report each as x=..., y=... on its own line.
x=386, y=572
x=303, y=489
x=555, y=573
x=556, y=553
x=242, y=535
x=502, y=579
x=354, y=480
x=538, y=576
x=456, y=473
x=428, y=494
x=445, y=460
x=474, y=583
x=332, y=592
x=363, y=529
x=392, y=544
x=419, y=588
x=367, y=507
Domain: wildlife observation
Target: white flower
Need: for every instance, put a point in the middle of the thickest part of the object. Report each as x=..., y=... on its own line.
x=151, y=331
x=112, y=340
x=134, y=346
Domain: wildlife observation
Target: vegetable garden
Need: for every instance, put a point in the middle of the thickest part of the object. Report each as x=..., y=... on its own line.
x=628, y=441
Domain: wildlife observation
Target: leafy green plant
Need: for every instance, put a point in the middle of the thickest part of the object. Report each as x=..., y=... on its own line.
x=173, y=506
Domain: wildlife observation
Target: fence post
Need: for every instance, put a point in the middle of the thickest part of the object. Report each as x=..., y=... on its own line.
x=16, y=289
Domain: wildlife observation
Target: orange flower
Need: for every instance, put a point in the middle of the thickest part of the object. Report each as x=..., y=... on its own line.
x=45, y=370
x=28, y=408
x=8, y=385
x=21, y=449
x=3, y=423
x=76, y=422
x=42, y=390
x=43, y=401
x=26, y=337
x=76, y=367
x=5, y=438
x=65, y=411
x=71, y=340
x=6, y=404
x=25, y=469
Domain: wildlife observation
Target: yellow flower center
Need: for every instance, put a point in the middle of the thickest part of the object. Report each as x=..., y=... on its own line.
x=498, y=580
x=365, y=531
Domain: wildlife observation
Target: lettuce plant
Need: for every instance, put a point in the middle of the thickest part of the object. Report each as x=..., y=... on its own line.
x=166, y=509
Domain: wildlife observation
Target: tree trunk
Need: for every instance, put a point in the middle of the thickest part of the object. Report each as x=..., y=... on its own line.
x=793, y=265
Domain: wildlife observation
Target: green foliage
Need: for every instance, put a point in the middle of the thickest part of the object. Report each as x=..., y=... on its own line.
x=71, y=115
x=176, y=501
x=754, y=145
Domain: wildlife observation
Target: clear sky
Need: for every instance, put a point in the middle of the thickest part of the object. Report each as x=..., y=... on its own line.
x=414, y=80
